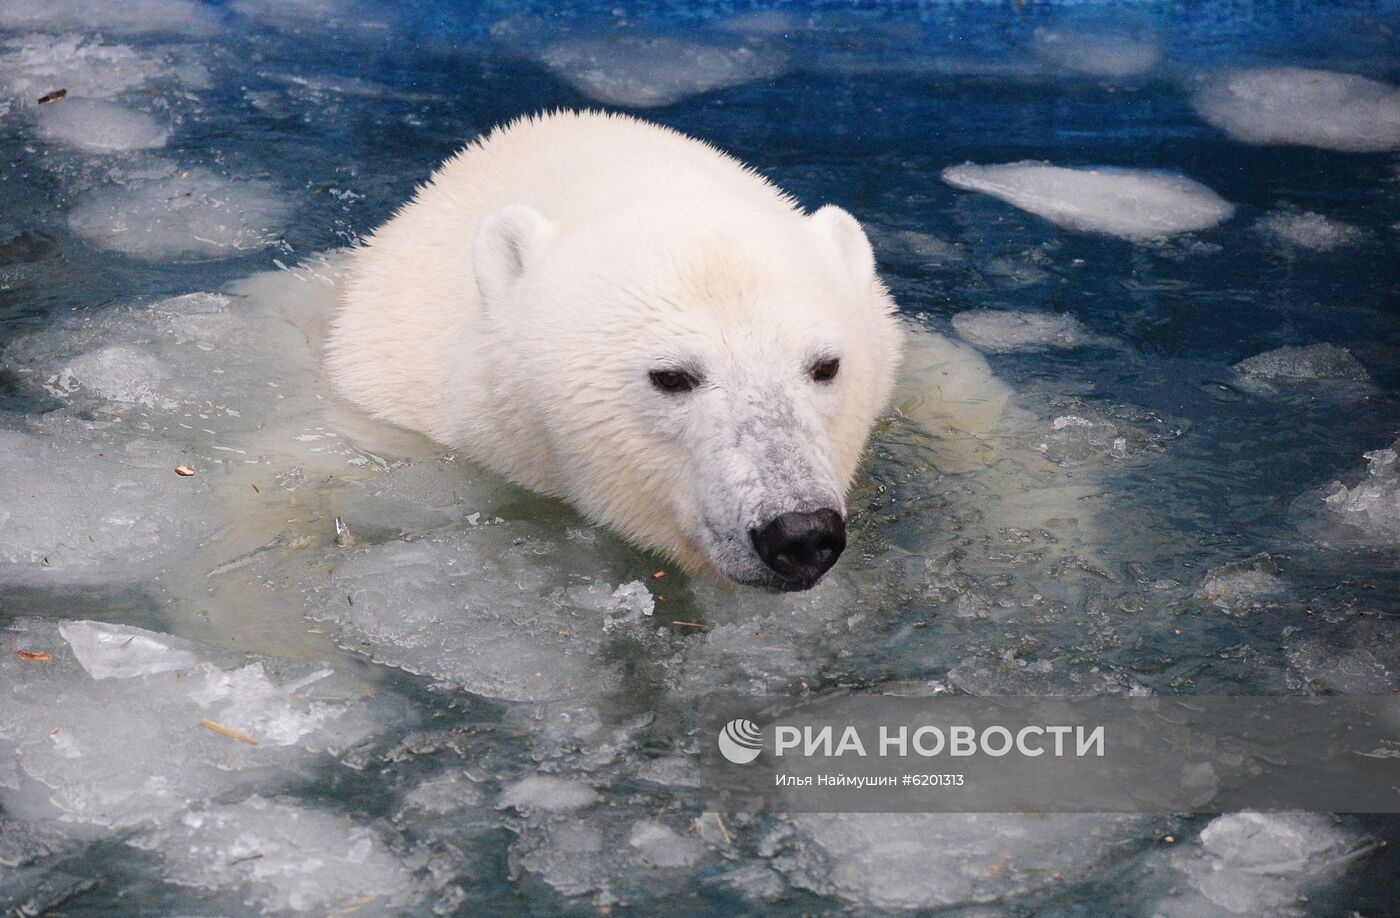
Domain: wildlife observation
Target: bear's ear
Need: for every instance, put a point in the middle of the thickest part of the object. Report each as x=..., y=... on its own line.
x=506, y=242
x=849, y=240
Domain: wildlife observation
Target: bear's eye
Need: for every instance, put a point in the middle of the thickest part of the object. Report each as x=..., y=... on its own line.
x=825, y=370
x=672, y=380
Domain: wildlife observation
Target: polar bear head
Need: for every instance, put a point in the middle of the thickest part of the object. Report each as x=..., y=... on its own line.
x=703, y=384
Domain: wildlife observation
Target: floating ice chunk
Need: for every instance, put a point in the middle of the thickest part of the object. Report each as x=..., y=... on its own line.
x=1089, y=433
x=999, y=331
x=192, y=368
x=647, y=72
x=191, y=215
x=1241, y=587
x=77, y=507
x=567, y=856
x=284, y=858
x=911, y=246
x=760, y=642
x=88, y=69
x=1313, y=363
x=1308, y=230
x=660, y=846
x=105, y=652
x=1260, y=864
x=1318, y=666
x=1316, y=108
x=295, y=15
x=626, y=605
x=481, y=608
x=101, y=126
x=548, y=793
x=614, y=856
x=439, y=796
x=764, y=24
x=130, y=17
x=419, y=496
x=1373, y=506
x=754, y=881
x=898, y=861
x=1104, y=55
x=118, y=374
x=108, y=732
x=1131, y=203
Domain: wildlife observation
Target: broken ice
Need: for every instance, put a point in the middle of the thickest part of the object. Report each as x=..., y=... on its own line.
x=997, y=331
x=1372, y=507
x=1135, y=204
x=648, y=72
x=131, y=17
x=113, y=507
x=111, y=732
x=88, y=68
x=100, y=126
x=1293, y=105
x=1102, y=55
x=188, y=214
x=1258, y=864
x=923, y=861
x=548, y=793
x=1241, y=587
x=1294, y=365
x=281, y=857
x=1307, y=230
x=482, y=609
x=1089, y=433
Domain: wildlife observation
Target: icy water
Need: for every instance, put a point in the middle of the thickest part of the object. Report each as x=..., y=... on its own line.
x=473, y=701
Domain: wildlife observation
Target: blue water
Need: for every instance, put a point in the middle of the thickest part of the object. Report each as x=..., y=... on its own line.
x=343, y=118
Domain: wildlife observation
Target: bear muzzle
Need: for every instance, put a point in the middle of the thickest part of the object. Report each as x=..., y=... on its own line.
x=800, y=546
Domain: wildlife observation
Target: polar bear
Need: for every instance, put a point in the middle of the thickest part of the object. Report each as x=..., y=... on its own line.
x=616, y=314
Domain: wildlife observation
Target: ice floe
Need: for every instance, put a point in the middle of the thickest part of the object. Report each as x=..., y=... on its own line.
x=1009, y=330
x=1360, y=658
x=659, y=845
x=1308, y=364
x=648, y=72
x=123, y=727
x=34, y=65
x=1307, y=230
x=113, y=507
x=190, y=369
x=548, y=793
x=1103, y=54
x=297, y=15
x=130, y=17
x=283, y=858
x=1258, y=864
x=488, y=609
x=1372, y=507
x=189, y=214
x=614, y=861
x=1132, y=203
x=911, y=246
x=1087, y=432
x=1293, y=105
x=1240, y=587
x=104, y=127
x=924, y=861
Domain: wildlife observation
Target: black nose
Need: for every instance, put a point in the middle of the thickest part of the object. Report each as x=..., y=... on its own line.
x=800, y=547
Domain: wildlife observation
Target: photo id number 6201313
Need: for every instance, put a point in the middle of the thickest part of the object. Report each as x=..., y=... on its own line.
x=933, y=780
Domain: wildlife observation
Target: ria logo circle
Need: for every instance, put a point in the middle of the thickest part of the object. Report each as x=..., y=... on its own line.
x=740, y=741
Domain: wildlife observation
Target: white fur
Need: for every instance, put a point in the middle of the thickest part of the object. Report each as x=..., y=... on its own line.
x=516, y=307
